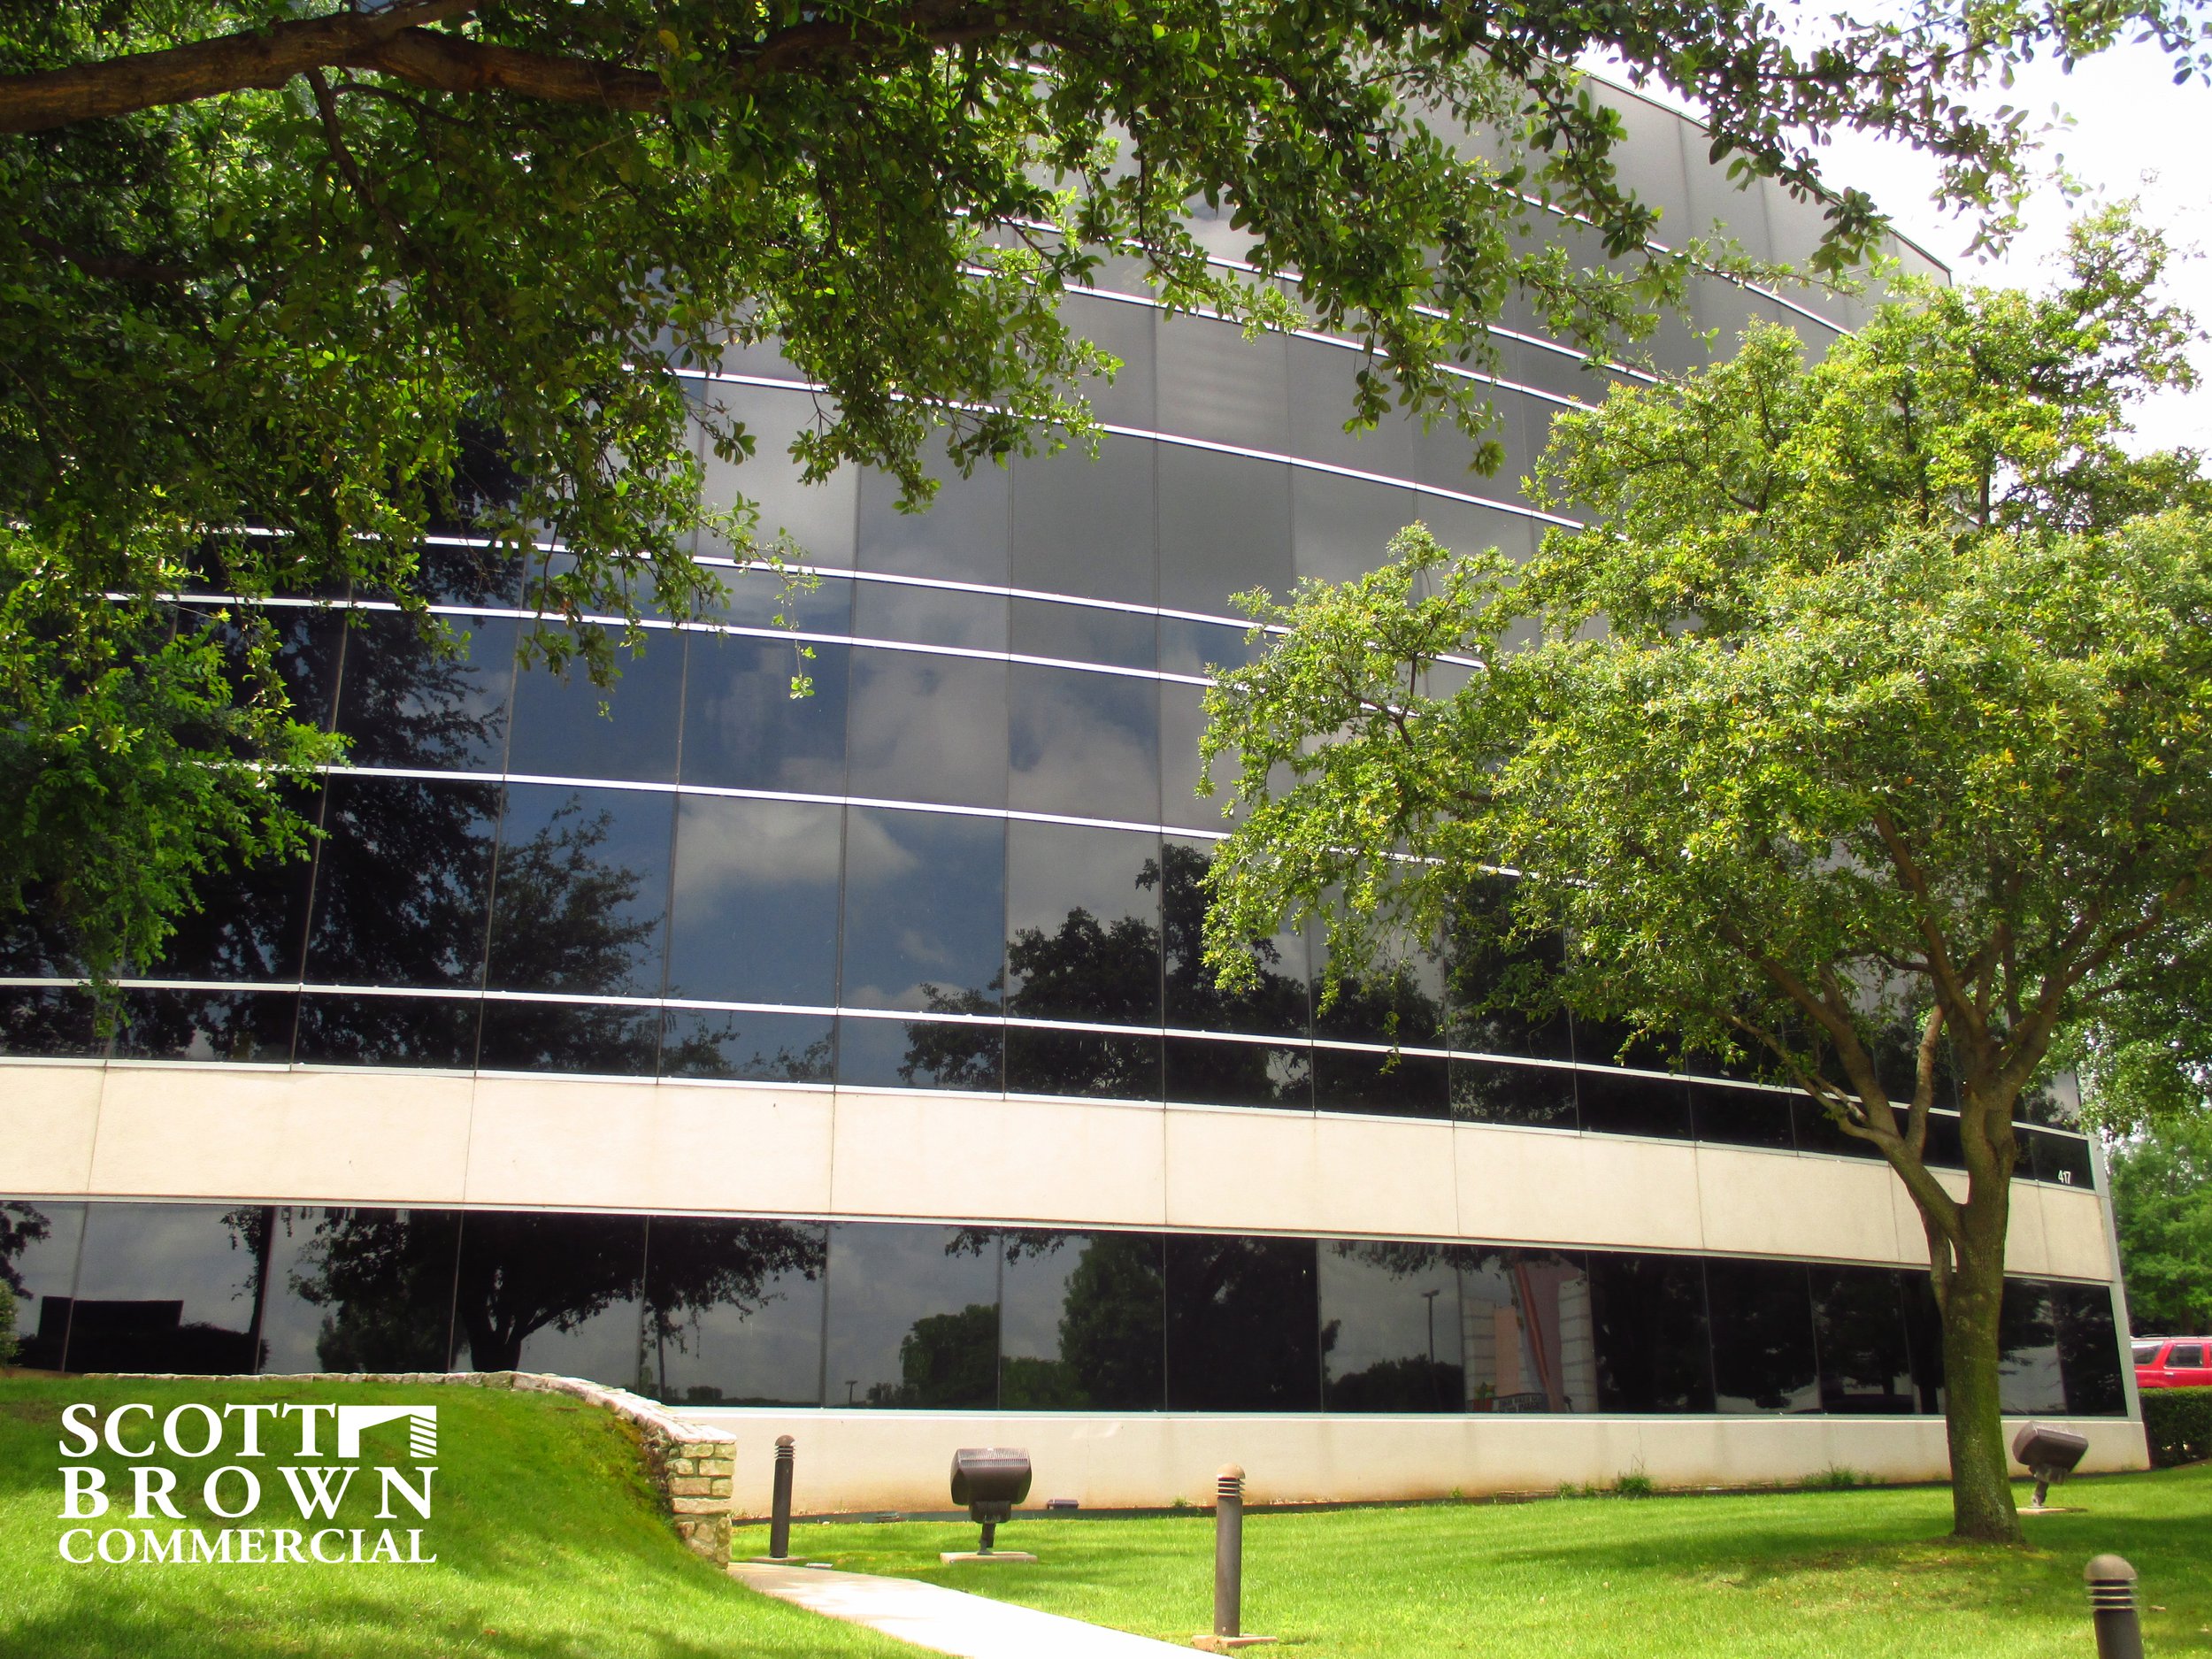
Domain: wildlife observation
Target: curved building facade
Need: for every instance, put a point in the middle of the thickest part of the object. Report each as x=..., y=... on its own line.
x=843, y=1066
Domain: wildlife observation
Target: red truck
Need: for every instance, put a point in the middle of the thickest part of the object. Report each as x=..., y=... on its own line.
x=2173, y=1362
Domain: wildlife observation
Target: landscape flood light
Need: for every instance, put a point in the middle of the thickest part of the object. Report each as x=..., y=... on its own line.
x=990, y=1480
x=2050, y=1455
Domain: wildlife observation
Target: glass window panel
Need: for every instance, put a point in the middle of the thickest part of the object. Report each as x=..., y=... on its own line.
x=581, y=894
x=965, y=1055
x=361, y=1290
x=1741, y=1116
x=403, y=884
x=755, y=912
x=1224, y=528
x=1083, y=526
x=1945, y=1149
x=447, y=573
x=931, y=616
x=913, y=1318
x=48, y=1022
x=1815, y=1131
x=1092, y=1065
x=1243, y=1324
x=925, y=912
x=757, y=1047
x=550, y=1293
x=1613, y=1103
x=236, y=1026
x=1524, y=1321
x=1273, y=1005
x=927, y=728
x=434, y=1032
x=1083, y=924
x=38, y=1267
x=2028, y=1380
x=2089, y=1351
x=1208, y=1073
x=744, y=730
x=1182, y=723
x=410, y=700
x=1647, y=1313
x=1491, y=1092
x=1084, y=633
x=1341, y=527
x=1386, y=1085
x=251, y=924
x=1762, y=1336
x=1399, y=1000
x=561, y=731
x=1924, y=1332
x=308, y=642
x=1321, y=389
x=1214, y=383
x=2063, y=1158
x=817, y=518
x=1391, y=1337
x=961, y=536
x=1084, y=744
x=1126, y=331
x=1494, y=980
x=759, y=598
x=2052, y=1099
x=1201, y=648
x=1080, y=1322
x=169, y=1287
x=734, y=1312
x=1859, y=1323
x=584, y=1038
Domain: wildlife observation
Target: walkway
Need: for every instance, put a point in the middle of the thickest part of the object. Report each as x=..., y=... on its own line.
x=950, y=1621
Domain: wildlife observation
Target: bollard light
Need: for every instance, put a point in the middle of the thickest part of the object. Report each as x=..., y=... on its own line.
x=2112, y=1606
x=2050, y=1455
x=990, y=1480
x=779, y=1511
x=1228, y=1632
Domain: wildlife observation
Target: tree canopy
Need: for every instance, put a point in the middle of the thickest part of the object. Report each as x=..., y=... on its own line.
x=1861, y=740
x=290, y=288
x=2161, y=1207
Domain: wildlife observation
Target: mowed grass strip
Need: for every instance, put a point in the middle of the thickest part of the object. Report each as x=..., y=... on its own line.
x=1864, y=1573
x=548, y=1542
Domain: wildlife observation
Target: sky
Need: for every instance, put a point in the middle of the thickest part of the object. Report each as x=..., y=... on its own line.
x=2120, y=126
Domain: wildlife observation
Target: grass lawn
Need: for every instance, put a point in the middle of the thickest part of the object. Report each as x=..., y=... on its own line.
x=1863, y=1574
x=547, y=1545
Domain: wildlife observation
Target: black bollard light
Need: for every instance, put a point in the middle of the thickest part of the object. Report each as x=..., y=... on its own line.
x=1228, y=1632
x=779, y=1509
x=2112, y=1605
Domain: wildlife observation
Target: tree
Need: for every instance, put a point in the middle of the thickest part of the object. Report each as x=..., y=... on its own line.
x=1894, y=722
x=2162, y=1205
x=287, y=287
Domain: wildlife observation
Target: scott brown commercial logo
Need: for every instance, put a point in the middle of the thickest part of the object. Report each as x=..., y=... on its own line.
x=229, y=1455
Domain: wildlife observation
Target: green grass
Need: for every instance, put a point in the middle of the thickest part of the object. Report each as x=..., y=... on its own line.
x=547, y=1539
x=1865, y=1573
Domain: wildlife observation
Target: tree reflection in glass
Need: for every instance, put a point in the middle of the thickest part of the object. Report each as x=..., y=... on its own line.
x=1081, y=1321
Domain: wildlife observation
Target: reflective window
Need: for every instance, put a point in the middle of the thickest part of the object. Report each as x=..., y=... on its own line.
x=1214, y=383
x=239, y=1026
x=1204, y=1072
x=565, y=726
x=1342, y=527
x=435, y=1032
x=1321, y=389
x=38, y=1267
x=817, y=518
x=2028, y=1379
x=1083, y=924
x=931, y=616
x=1617, y=1103
x=2062, y=1158
x=1083, y=526
x=1388, y=1084
x=1203, y=648
x=1762, y=1336
x=1041, y=1061
x=1492, y=1092
x=1649, y=1317
x=553, y=1293
x=744, y=730
x=925, y=911
x=758, y=1047
x=1081, y=633
x=913, y=1318
x=402, y=886
x=582, y=891
x=1080, y=1322
x=734, y=1312
x=1924, y=1332
x=754, y=918
x=1495, y=980
x=586, y=1039
x=1182, y=723
x=1224, y=528
x=1815, y=1131
x=168, y=1287
x=1399, y=1001
x=1945, y=1149
x=1525, y=1316
x=758, y=598
x=307, y=643
x=1084, y=744
x=1391, y=1338
x=446, y=574
x=927, y=728
x=1741, y=1116
x=962, y=536
x=2089, y=1351
x=251, y=924
x=1243, y=1324
x=1126, y=332
x=436, y=700
x=965, y=1055
x=360, y=1290
x=1273, y=1005
x=1859, y=1322
x=49, y=1021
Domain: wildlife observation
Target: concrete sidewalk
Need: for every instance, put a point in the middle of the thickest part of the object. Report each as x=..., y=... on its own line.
x=950, y=1621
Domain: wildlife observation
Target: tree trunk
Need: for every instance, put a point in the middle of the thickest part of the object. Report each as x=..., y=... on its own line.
x=1981, y=1472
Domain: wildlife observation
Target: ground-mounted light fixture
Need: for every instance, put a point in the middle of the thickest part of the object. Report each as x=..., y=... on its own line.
x=2050, y=1455
x=990, y=1480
